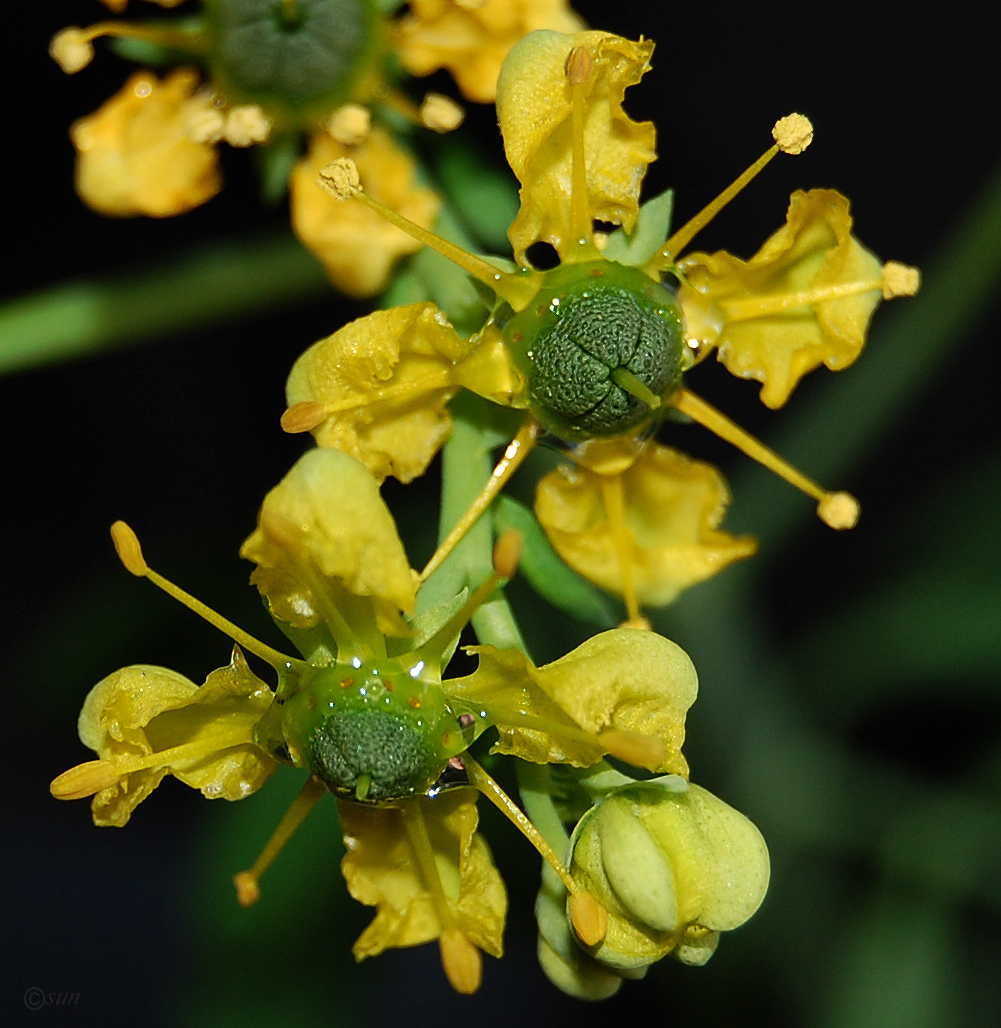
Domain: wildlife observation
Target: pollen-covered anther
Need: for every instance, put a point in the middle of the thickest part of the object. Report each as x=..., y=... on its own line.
x=793, y=133
x=578, y=65
x=71, y=49
x=900, y=280
x=85, y=780
x=303, y=416
x=441, y=113
x=203, y=121
x=589, y=918
x=507, y=554
x=350, y=125
x=128, y=549
x=839, y=510
x=340, y=179
x=461, y=961
x=248, y=890
x=246, y=125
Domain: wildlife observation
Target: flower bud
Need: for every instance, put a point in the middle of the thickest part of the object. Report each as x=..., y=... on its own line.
x=673, y=865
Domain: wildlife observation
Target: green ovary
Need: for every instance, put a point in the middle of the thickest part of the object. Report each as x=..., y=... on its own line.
x=297, y=59
x=588, y=322
x=386, y=748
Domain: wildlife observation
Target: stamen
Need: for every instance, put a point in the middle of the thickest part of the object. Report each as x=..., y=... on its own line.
x=578, y=69
x=516, y=452
x=479, y=779
x=507, y=553
x=246, y=125
x=836, y=509
x=130, y=554
x=614, y=500
x=441, y=113
x=72, y=48
x=248, y=889
x=350, y=125
x=460, y=959
x=94, y=775
x=306, y=415
x=792, y=134
x=900, y=280
x=340, y=179
x=589, y=918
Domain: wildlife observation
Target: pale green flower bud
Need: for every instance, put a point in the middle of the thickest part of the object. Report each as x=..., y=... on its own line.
x=673, y=865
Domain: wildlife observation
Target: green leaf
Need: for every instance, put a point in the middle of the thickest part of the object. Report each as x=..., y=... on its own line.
x=546, y=572
x=649, y=233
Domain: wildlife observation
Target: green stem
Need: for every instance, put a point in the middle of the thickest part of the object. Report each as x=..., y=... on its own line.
x=222, y=281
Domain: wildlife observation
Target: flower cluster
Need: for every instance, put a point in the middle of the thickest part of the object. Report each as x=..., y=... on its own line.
x=592, y=356
x=267, y=73
x=595, y=350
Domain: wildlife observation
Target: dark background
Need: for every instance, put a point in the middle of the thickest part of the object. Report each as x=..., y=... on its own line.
x=180, y=438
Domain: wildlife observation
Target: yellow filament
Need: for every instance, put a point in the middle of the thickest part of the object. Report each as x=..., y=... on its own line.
x=176, y=38
x=836, y=509
x=248, y=889
x=130, y=553
x=516, y=452
x=581, y=248
x=614, y=499
x=479, y=779
x=517, y=289
x=762, y=306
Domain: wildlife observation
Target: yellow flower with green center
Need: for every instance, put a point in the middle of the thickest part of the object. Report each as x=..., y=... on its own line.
x=365, y=711
x=266, y=73
x=596, y=349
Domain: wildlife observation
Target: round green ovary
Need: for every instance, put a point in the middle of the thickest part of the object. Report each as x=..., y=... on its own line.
x=386, y=748
x=591, y=321
x=300, y=57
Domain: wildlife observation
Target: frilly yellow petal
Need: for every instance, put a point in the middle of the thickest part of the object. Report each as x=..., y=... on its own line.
x=326, y=518
x=135, y=156
x=357, y=246
x=813, y=249
x=409, y=350
x=381, y=870
x=626, y=679
x=141, y=711
x=533, y=106
x=673, y=505
x=471, y=40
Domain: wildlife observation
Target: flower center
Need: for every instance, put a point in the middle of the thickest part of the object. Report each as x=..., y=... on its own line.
x=297, y=57
x=600, y=345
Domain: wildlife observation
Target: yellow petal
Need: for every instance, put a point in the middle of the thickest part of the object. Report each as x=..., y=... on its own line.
x=627, y=680
x=381, y=870
x=533, y=106
x=326, y=517
x=141, y=711
x=471, y=40
x=672, y=506
x=357, y=246
x=814, y=249
x=135, y=156
x=409, y=351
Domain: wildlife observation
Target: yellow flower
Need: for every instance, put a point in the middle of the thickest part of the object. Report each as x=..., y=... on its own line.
x=471, y=38
x=147, y=722
x=273, y=73
x=368, y=715
x=595, y=350
x=136, y=155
